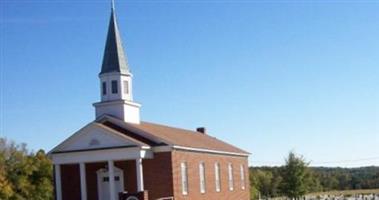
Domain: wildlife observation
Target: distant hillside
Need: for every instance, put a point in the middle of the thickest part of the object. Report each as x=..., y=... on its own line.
x=347, y=178
x=266, y=181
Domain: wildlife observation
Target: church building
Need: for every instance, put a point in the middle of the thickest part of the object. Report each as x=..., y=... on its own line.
x=119, y=156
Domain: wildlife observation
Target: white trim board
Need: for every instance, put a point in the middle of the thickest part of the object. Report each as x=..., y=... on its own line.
x=101, y=155
x=176, y=147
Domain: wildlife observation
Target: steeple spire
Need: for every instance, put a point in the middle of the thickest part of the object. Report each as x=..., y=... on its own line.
x=114, y=59
x=115, y=79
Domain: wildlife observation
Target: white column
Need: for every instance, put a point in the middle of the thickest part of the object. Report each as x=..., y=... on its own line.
x=139, y=168
x=58, y=183
x=111, y=180
x=83, y=184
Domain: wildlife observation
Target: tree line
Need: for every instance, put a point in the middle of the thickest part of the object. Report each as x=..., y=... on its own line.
x=29, y=175
x=276, y=181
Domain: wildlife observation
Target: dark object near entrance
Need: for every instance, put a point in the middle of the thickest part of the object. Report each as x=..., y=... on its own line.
x=134, y=196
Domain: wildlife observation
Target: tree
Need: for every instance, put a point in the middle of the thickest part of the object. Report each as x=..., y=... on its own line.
x=254, y=185
x=24, y=175
x=267, y=181
x=264, y=183
x=42, y=177
x=5, y=187
x=312, y=182
x=294, y=174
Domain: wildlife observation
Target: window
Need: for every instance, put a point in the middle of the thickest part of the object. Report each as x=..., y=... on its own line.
x=126, y=87
x=217, y=177
x=183, y=170
x=242, y=170
x=114, y=87
x=202, y=177
x=104, y=88
x=230, y=177
x=106, y=178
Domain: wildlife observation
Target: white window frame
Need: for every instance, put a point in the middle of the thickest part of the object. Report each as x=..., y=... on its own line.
x=184, y=177
x=217, y=177
x=230, y=177
x=242, y=171
x=202, y=177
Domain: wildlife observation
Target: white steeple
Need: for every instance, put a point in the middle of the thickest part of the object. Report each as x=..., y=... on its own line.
x=116, y=79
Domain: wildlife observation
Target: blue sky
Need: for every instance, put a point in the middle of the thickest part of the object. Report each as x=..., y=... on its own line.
x=269, y=77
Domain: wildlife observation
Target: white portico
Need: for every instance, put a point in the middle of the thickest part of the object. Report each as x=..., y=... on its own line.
x=96, y=143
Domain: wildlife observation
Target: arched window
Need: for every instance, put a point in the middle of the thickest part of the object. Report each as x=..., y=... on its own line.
x=217, y=177
x=202, y=177
x=184, y=176
x=242, y=171
x=230, y=177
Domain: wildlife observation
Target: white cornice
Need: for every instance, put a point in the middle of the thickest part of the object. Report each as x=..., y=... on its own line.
x=115, y=74
x=104, y=103
x=129, y=153
x=176, y=147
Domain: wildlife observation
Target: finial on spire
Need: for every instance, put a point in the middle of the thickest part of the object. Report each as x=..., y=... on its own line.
x=112, y=4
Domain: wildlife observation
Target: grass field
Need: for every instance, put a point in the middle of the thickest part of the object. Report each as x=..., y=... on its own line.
x=346, y=192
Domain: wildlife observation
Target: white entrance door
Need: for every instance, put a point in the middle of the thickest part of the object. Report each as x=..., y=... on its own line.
x=103, y=183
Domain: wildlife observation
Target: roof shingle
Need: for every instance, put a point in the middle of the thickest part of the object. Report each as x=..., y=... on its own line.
x=186, y=138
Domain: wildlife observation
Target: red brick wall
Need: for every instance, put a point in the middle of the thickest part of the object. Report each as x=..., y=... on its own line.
x=162, y=177
x=193, y=159
x=70, y=179
x=130, y=174
x=91, y=179
x=158, y=175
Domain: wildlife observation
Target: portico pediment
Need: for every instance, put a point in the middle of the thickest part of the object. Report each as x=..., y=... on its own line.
x=96, y=136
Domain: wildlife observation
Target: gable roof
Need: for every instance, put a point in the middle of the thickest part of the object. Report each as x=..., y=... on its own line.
x=163, y=134
x=187, y=138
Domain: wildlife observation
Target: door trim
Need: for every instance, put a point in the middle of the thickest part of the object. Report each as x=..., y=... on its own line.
x=105, y=172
